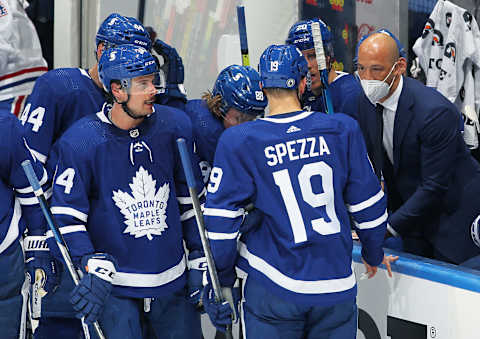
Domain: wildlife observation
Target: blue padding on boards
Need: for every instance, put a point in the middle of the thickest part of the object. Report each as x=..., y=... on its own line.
x=429, y=269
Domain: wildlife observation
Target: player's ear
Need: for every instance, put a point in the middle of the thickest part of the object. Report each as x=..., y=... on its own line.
x=301, y=86
x=402, y=65
x=100, y=50
x=117, y=91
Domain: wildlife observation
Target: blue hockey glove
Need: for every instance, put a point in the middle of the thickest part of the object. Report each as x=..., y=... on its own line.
x=253, y=219
x=173, y=69
x=223, y=313
x=89, y=296
x=43, y=270
x=197, y=267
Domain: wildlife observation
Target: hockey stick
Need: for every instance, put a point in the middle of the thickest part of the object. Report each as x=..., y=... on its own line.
x=62, y=245
x=322, y=64
x=242, y=30
x=187, y=168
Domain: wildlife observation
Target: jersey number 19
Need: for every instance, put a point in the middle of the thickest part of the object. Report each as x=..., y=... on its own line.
x=319, y=225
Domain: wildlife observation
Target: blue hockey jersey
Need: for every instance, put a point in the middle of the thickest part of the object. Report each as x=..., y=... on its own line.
x=19, y=205
x=307, y=173
x=343, y=92
x=124, y=193
x=206, y=132
x=59, y=98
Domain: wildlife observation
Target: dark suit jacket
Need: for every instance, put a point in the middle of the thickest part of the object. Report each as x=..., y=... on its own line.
x=432, y=184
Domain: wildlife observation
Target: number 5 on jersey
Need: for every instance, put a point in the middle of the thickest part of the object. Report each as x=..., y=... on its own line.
x=35, y=117
x=66, y=179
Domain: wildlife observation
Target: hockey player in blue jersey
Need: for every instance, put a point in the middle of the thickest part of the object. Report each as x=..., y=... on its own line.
x=19, y=208
x=60, y=98
x=343, y=87
x=121, y=201
x=236, y=97
x=308, y=173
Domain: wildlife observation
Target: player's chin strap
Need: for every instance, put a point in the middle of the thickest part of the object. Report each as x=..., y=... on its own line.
x=132, y=115
x=127, y=110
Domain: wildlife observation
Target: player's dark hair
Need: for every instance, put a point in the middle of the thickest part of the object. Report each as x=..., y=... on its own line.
x=213, y=103
x=109, y=96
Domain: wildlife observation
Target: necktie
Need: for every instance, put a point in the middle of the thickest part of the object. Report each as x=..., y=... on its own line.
x=379, y=142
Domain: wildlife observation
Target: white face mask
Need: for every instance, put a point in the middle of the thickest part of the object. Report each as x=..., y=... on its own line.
x=375, y=90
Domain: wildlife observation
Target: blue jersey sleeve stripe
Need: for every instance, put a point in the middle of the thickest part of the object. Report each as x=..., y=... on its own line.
x=29, y=189
x=372, y=224
x=70, y=211
x=294, y=285
x=67, y=229
x=221, y=236
x=219, y=212
x=365, y=204
x=150, y=279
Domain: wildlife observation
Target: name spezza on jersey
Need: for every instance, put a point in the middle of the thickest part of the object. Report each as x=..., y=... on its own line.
x=308, y=173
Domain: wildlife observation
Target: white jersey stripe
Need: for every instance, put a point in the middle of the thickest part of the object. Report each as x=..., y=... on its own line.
x=294, y=285
x=365, y=204
x=218, y=212
x=188, y=200
x=70, y=211
x=221, y=236
x=68, y=229
x=29, y=189
x=150, y=279
x=289, y=119
x=34, y=200
x=13, y=230
x=371, y=224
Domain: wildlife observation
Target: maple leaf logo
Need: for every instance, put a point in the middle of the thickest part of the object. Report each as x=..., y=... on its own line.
x=144, y=210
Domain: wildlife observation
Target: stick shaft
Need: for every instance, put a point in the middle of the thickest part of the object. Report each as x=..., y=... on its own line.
x=62, y=245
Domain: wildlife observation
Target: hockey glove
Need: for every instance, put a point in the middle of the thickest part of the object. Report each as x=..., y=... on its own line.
x=173, y=69
x=89, y=296
x=223, y=313
x=43, y=270
x=197, y=267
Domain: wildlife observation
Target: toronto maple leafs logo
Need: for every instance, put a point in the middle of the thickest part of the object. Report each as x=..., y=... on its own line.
x=145, y=209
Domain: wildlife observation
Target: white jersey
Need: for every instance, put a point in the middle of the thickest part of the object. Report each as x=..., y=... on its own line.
x=21, y=61
x=449, y=53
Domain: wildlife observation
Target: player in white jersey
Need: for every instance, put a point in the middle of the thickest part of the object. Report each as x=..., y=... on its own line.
x=309, y=174
x=21, y=61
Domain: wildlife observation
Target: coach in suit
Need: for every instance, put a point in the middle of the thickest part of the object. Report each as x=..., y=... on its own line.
x=414, y=141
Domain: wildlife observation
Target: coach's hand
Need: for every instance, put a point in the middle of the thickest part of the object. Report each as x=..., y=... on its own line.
x=89, y=296
x=387, y=260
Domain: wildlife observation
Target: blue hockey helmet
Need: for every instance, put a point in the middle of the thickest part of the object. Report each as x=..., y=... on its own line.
x=239, y=87
x=282, y=66
x=124, y=63
x=300, y=35
x=401, y=50
x=118, y=30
